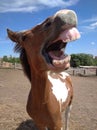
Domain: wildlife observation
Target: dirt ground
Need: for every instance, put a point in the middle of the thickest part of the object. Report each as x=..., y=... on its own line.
x=14, y=89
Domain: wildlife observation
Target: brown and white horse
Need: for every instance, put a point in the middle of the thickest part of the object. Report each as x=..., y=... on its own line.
x=44, y=61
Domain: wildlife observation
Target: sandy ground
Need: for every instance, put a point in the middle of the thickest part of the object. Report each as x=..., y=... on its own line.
x=14, y=89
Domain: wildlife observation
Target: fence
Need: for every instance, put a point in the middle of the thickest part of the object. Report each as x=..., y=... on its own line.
x=10, y=65
x=83, y=71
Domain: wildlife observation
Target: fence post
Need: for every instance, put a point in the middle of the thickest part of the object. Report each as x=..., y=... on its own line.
x=96, y=72
x=15, y=65
x=84, y=72
x=74, y=72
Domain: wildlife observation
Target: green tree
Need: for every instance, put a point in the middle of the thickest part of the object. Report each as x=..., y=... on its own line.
x=82, y=59
x=75, y=62
x=5, y=58
x=11, y=59
x=95, y=61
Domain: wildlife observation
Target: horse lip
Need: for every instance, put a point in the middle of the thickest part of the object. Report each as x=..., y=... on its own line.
x=68, y=35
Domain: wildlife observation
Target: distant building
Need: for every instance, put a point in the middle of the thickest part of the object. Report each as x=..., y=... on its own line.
x=95, y=57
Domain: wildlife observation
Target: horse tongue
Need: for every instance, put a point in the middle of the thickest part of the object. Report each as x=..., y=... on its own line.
x=56, y=54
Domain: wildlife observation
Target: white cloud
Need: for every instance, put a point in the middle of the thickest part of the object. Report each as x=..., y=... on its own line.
x=89, y=25
x=93, y=43
x=32, y=5
x=93, y=25
x=93, y=19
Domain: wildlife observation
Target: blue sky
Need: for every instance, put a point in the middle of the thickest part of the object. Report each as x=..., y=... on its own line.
x=24, y=14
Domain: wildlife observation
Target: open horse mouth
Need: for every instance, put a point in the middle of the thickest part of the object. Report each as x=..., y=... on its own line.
x=54, y=52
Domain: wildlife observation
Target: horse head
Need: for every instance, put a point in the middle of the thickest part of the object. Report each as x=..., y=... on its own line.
x=45, y=43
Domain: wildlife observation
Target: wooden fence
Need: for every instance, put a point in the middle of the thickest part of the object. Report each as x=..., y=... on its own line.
x=10, y=65
x=82, y=71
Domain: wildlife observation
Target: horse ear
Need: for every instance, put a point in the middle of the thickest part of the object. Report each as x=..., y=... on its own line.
x=14, y=36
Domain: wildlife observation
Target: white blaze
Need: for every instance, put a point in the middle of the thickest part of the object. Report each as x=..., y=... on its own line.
x=59, y=88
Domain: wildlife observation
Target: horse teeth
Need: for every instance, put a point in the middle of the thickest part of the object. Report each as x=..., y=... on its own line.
x=62, y=49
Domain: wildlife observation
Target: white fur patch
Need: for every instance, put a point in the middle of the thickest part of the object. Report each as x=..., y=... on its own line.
x=59, y=88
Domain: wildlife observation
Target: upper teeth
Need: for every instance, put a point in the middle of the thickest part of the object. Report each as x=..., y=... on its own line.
x=62, y=49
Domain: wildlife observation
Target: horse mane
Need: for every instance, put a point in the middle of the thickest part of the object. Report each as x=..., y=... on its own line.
x=23, y=59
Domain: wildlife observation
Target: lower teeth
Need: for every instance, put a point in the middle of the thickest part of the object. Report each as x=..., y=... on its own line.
x=61, y=62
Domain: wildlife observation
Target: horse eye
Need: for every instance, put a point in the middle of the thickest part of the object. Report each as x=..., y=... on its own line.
x=23, y=38
x=48, y=24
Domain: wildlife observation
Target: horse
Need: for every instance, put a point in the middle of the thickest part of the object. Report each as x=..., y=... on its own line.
x=44, y=61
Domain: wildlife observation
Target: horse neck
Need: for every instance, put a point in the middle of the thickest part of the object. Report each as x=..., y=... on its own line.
x=38, y=84
x=38, y=79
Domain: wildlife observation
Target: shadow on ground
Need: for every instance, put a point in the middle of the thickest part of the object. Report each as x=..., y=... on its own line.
x=27, y=125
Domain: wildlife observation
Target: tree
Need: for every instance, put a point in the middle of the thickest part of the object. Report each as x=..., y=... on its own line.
x=11, y=59
x=95, y=61
x=75, y=62
x=5, y=58
x=82, y=59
